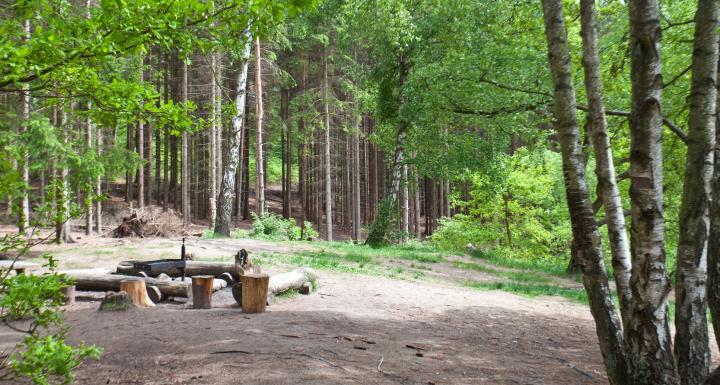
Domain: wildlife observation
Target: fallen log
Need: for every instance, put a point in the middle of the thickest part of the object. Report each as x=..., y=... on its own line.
x=106, y=282
x=295, y=279
x=192, y=268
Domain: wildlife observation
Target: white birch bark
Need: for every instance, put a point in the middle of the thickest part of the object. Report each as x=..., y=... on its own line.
x=691, y=346
x=586, y=236
x=259, y=115
x=232, y=157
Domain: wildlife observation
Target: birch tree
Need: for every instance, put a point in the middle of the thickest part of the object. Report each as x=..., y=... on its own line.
x=232, y=157
x=584, y=227
x=691, y=338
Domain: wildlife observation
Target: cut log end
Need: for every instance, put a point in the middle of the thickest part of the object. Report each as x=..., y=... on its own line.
x=155, y=294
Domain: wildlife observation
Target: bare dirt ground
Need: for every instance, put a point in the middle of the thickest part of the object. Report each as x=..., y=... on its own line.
x=353, y=329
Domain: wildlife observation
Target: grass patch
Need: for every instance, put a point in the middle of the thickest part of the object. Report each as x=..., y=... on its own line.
x=409, y=252
x=534, y=290
x=523, y=276
x=552, y=266
x=234, y=234
x=474, y=266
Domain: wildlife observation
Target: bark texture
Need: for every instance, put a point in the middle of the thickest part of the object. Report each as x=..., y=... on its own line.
x=585, y=231
x=647, y=332
x=691, y=336
x=604, y=165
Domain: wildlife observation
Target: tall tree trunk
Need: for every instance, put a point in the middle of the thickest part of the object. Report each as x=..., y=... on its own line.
x=62, y=222
x=604, y=165
x=379, y=233
x=185, y=182
x=692, y=350
x=24, y=219
x=98, y=183
x=222, y=222
x=259, y=114
x=584, y=226
x=141, y=151
x=328, y=168
x=213, y=141
x=647, y=332
x=147, y=142
x=416, y=202
x=356, y=185
x=166, y=134
x=405, y=205
x=89, y=128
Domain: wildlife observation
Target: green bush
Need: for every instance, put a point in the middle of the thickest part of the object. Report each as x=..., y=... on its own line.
x=31, y=305
x=274, y=227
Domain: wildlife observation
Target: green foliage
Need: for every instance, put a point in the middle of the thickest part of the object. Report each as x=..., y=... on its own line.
x=384, y=231
x=519, y=210
x=275, y=227
x=31, y=305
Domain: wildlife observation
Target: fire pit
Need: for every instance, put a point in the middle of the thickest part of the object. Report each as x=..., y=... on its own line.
x=160, y=265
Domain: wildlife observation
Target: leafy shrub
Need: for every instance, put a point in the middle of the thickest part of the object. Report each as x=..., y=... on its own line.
x=31, y=305
x=275, y=227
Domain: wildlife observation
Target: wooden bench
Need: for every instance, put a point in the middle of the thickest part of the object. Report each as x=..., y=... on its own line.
x=19, y=267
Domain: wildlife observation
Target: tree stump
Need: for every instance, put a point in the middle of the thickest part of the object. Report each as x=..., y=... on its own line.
x=202, y=288
x=254, y=292
x=137, y=292
x=115, y=301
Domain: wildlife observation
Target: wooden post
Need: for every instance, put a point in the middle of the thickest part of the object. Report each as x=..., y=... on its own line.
x=135, y=289
x=254, y=292
x=68, y=294
x=202, y=288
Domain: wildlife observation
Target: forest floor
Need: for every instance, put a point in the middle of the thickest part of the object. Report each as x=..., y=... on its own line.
x=405, y=317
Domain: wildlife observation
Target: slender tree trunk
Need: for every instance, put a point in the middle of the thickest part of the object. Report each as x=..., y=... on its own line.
x=357, y=201
x=213, y=142
x=98, y=183
x=24, y=219
x=328, y=168
x=647, y=331
x=185, y=182
x=692, y=350
x=416, y=201
x=259, y=114
x=62, y=222
x=147, y=143
x=604, y=166
x=585, y=231
x=141, y=151
x=405, y=205
x=166, y=142
x=222, y=222
x=89, y=128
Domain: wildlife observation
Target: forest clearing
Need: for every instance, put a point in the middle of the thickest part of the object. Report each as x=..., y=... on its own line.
x=359, y=191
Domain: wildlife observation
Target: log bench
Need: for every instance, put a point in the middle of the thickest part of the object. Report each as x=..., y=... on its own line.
x=19, y=267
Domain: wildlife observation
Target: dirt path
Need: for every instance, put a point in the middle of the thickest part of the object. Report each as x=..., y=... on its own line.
x=423, y=333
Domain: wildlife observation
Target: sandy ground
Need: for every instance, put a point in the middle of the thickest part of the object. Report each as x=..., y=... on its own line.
x=354, y=329
x=367, y=330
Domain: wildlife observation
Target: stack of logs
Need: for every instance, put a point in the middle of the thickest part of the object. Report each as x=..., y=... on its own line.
x=207, y=277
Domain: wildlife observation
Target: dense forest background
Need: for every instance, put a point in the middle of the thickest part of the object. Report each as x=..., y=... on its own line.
x=464, y=86
x=389, y=122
